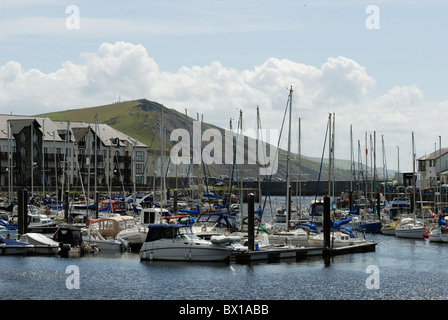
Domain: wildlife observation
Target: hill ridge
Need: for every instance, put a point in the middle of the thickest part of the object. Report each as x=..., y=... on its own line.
x=140, y=119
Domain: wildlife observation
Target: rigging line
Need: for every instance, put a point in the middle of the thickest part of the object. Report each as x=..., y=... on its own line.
x=280, y=135
x=263, y=145
x=322, y=160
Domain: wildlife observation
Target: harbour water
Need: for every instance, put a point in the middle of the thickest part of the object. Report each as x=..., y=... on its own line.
x=399, y=269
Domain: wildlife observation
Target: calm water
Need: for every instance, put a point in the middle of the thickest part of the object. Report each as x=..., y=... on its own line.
x=408, y=270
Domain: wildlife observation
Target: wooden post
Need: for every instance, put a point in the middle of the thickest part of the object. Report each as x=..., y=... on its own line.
x=22, y=212
x=351, y=200
x=97, y=197
x=175, y=202
x=327, y=222
x=251, y=222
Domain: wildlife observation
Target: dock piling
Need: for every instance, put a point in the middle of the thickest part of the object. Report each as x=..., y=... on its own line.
x=326, y=222
x=22, y=212
x=251, y=221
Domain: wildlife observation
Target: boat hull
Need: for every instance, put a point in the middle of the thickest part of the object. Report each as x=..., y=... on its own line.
x=15, y=249
x=292, y=240
x=195, y=251
x=410, y=233
x=388, y=232
x=372, y=227
x=107, y=245
x=335, y=241
x=42, y=244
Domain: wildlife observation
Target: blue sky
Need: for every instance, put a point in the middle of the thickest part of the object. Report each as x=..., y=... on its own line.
x=215, y=57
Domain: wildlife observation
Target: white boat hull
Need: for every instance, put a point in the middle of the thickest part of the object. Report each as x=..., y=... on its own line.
x=42, y=244
x=435, y=238
x=336, y=241
x=134, y=236
x=417, y=233
x=289, y=239
x=106, y=245
x=388, y=232
x=179, y=251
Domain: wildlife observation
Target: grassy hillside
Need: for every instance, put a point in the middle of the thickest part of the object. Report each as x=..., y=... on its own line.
x=140, y=119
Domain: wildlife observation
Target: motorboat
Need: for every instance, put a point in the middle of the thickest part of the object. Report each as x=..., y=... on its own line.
x=136, y=235
x=42, y=244
x=37, y=222
x=104, y=232
x=410, y=228
x=14, y=247
x=92, y=236
x=70, y=241
x=178, y=242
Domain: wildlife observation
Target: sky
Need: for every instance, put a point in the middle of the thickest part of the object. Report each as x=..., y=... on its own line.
x=378, y=66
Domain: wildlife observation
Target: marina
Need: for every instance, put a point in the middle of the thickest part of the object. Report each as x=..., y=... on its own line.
x=408, y=270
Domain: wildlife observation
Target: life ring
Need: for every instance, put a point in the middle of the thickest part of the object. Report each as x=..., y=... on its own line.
x=47, y=210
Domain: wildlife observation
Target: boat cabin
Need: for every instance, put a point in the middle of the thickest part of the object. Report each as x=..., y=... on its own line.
x=68, y=235
x=166, y=231
x=217, y=221
x=111, y=226
x=317, y=208
x=153, y=216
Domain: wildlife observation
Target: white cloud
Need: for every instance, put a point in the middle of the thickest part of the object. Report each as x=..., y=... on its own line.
x=340, y=85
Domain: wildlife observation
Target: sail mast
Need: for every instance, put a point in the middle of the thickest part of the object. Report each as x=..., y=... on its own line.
x=288, y=173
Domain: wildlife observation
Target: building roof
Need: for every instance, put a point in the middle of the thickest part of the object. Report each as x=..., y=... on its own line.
x=106, y=133
x=434, y=155
x=46, y=124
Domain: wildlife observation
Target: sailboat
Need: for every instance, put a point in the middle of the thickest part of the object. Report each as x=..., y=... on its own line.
x=296, y=237
x=410, y=227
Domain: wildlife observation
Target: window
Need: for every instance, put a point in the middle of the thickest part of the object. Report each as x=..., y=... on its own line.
x=422, y=165
x=139, y=168
x=139, y=156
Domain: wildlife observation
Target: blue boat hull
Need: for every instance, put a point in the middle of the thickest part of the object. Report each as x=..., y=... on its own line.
x=370, y=227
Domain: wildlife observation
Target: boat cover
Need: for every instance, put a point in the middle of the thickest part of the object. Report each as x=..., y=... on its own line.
x=12, y=242
x=162, y=231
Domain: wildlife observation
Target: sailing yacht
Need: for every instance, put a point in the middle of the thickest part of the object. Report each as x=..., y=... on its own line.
x=410, y=228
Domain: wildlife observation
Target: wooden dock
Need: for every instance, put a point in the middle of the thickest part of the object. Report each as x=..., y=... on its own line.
x=276, y=254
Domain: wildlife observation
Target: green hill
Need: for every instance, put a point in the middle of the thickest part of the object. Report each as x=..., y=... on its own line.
x=141, y=118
